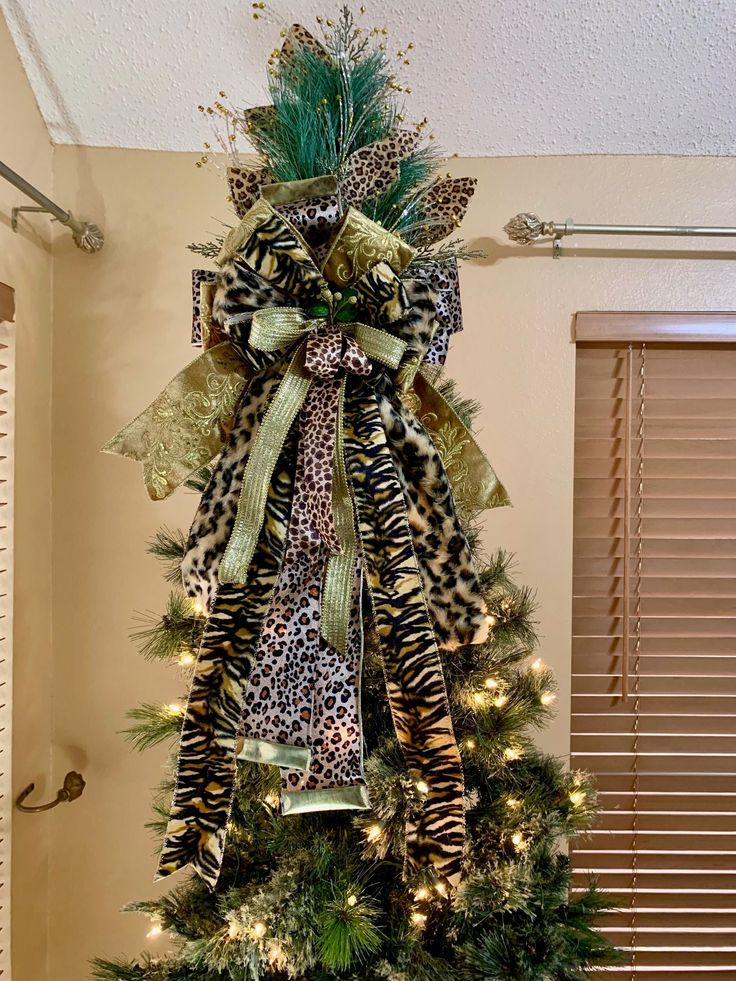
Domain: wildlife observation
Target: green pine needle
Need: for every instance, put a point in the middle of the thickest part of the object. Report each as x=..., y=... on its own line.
x=154, y=725
x=348, y=933
x=169, y=547
x=177, y=632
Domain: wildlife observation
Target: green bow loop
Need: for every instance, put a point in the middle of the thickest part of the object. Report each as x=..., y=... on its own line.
x=281, y=328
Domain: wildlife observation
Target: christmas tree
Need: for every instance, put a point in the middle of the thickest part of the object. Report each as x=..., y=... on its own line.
x=372, y=872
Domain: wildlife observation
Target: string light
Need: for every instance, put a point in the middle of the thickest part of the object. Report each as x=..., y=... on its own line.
x=513, y=803
x=197, y=606
x=175, y=708
x=421, y=894
x=491, y=683
x=374, y=832
x=422, y=786
x=538, y=665
x=500, y=700
x=276, y=954
x=479, y=698
x=186, y=659
x=470, y=744
x=259, y=929
x=547, y=697
x=272, y=800
x=418, y=919
x=441, y=888
x=352, y=900
x=157, y=927
x=577, y=797
x=233, y=931
x=519, y=841
x=513, y=753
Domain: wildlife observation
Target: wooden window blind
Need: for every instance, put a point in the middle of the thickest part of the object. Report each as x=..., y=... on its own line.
x=654, y=645
x=7, y=428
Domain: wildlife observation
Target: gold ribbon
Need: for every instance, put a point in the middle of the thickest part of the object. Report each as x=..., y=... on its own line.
x=184, y=427
x=475, y=485
x=275, y=329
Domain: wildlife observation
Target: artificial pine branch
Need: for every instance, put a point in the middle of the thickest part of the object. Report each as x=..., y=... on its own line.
x=154, y=724
x=208, y=250
x=169, y=547
x=177, y=634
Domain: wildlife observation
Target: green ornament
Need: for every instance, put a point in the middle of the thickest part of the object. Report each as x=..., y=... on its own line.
x=319, y=311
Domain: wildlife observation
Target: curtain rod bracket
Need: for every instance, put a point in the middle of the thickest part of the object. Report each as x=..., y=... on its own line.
x=87, y=236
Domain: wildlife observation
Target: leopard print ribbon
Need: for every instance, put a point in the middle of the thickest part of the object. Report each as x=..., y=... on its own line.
x=328, y=349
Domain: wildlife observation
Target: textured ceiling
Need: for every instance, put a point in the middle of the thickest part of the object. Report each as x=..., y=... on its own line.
x=495, y=77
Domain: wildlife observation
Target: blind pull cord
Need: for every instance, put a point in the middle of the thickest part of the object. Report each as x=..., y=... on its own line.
x=639, y=546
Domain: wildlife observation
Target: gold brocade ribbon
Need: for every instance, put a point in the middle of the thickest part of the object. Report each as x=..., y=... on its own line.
x=475, y=484
x=275, y=329
x=184, y=427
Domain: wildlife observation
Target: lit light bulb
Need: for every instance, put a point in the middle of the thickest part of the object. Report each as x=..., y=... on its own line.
x=156, y=927
x=259, y=929
x=512, y=753
x=441, y=888
x=186, y=659
x=418, y=919
x=421, y=894
x=374, y=832
x=422, y=786
x=352, y=900
x=198, y=607
x=519, y=841
x=233, y=931
x=491, y=683
x=491, y=621
x=272, y=800
x=175, y=708
x=500, y=700
x=276, y=955
x=513, y=803
x=547, y=697
x=479, y=698
x=470, y=744
x=577, y=797
x=538, y=665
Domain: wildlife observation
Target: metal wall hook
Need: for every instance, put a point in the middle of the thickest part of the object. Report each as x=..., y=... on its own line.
x=73, y=788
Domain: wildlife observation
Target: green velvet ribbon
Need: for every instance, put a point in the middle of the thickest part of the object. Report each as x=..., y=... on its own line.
x=284, y=328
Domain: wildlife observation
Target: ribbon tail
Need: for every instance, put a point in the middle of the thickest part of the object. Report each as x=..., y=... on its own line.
x=183, y=429
x=261, y=464
x=414, y=679
x=206, y=767
x=340, y=573
x=475, y=484
x=451, y=587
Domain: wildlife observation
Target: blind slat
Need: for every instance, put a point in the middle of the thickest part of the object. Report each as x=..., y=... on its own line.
x=665, y=756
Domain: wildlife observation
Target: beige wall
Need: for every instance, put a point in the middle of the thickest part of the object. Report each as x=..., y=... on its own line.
x=25, y=263
x=121, y=327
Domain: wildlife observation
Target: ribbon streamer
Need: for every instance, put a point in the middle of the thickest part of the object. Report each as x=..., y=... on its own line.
x=278, y=329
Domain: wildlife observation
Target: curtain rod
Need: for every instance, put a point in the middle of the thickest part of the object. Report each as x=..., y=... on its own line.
x=526, y=228
x=88, y=236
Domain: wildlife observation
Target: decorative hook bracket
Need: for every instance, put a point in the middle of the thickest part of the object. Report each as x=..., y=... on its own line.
x=73, y=788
